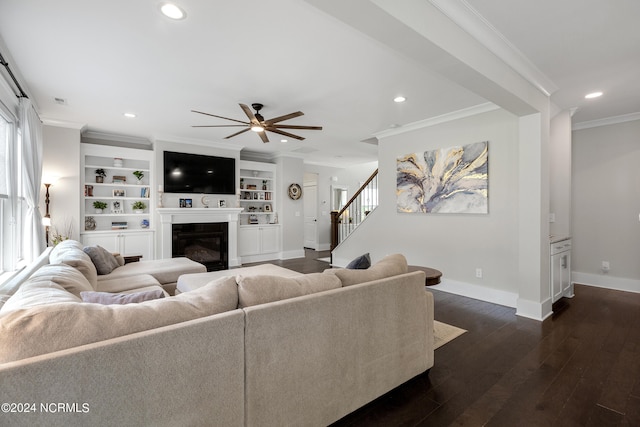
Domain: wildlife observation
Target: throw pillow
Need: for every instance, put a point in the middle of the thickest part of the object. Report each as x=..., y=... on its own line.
x=106, y=298
x=104, y=261
x=261, y=289
x=361, y=263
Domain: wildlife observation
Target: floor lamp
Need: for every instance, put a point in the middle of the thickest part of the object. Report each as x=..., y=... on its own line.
x=46, y=221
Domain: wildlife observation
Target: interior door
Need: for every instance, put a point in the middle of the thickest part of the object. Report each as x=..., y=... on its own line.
x=310, y=197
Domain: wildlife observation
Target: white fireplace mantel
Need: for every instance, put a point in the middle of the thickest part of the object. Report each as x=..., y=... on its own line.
x=170, y=216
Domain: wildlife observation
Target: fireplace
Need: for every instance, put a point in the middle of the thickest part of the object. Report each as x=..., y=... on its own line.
x=206, y=243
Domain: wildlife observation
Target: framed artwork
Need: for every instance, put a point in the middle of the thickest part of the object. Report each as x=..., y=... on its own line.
x=119, y=192
x=267, y=207
x=222, y=203
x=446, y=180
x=117, y=207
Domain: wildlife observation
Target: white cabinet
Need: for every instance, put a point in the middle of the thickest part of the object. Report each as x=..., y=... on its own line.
x=126, y=243
x=258, y=242
x=122, y=180
x=561, y=270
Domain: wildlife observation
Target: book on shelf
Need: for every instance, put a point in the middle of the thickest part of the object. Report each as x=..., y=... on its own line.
x=144, y=192
x=119, y=225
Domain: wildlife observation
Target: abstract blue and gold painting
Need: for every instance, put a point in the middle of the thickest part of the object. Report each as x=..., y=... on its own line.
x=447, y=180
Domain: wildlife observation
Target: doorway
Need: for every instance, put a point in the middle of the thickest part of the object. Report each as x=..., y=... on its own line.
x=310, y=197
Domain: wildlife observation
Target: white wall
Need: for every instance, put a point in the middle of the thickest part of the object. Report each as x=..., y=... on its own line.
x=560, y=175
x=454, y=244
x=606, y=205
x=61, y=158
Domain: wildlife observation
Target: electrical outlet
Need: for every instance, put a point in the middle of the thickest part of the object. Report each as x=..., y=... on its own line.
x=479, y=273
x=605, y=266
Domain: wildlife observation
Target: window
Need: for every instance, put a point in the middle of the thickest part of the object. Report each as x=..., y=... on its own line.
x=9, y=241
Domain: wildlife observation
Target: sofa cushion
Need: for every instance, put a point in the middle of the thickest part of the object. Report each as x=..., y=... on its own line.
x=70, y=252
x=69, y=278
x=51, y=327
x=107, y=298
x=127, y=283
x=164, y=270
x=104, y=261
x=391, y=265
x=261, y=289
x=361, y=263
x=35, y=293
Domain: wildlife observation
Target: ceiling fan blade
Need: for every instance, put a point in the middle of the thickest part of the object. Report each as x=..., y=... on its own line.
x=298, y=127
x=263, y=136
x=237, y=133
x=290, y=135
x=249, y=114
x=220, y=117
x=285, y=117
x=218, y=126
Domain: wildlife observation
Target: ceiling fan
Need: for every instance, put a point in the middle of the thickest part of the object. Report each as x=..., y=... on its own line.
x=258, y=124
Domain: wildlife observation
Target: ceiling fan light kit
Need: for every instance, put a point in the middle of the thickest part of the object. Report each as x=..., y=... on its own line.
x=258, y=124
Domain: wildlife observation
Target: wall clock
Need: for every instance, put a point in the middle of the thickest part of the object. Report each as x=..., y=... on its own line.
x=295, y=192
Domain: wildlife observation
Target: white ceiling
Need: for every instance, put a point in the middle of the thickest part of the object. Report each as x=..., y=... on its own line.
x=111, y=57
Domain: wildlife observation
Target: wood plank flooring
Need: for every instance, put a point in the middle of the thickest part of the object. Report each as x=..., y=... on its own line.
x=580, y=367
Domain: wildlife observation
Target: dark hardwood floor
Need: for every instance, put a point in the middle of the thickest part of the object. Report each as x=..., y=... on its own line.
x=580, y=367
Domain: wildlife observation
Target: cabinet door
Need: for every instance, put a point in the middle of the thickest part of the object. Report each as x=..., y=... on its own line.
x=556, y=277
x=248, y=241
x=270, y=240
x=108, y=241
x=565, y=263
x=137, y=244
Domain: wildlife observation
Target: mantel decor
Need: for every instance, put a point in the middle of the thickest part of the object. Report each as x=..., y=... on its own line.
x=447, y=180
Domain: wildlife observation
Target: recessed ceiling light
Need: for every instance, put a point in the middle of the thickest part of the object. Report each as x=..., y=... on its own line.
x=172, y=11
x=283, y=140
x=129, y=115
x=593, y=95
x=399, y=99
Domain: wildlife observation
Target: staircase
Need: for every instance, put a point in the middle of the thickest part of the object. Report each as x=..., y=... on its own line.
x=356, y=210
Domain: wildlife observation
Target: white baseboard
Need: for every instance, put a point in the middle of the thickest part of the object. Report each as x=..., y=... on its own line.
x=606, y=281
x=495, y=296
x=534, y=310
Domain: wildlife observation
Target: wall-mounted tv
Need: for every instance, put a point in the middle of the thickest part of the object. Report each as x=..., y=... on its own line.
x=196, y=173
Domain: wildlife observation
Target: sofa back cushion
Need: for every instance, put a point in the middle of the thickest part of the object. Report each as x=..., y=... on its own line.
x=70, y=252
x=261, y=289
x=38, y=292
x=43, y=329
x=391, y=265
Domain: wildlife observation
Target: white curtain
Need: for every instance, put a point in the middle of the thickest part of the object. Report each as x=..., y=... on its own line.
x=31, y=128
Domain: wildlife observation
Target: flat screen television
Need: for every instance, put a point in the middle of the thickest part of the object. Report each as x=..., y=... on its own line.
x=196, y=173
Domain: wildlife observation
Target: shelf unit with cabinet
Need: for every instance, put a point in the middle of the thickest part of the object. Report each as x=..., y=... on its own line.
x=257, y=193
x=122, y=193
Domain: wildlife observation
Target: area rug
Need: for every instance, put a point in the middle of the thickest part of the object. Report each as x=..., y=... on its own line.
x=443, y=333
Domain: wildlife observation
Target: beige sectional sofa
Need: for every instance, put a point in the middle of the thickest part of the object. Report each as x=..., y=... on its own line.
x=248, y=347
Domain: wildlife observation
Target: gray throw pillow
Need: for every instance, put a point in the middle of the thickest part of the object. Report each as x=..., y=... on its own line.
x=361, y=263
x=107, y=298
x=104, y=260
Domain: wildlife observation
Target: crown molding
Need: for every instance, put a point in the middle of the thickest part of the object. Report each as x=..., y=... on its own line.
x=202, y=142
x=448, y=117
x=606, y=121
x=471, y=21
x=63, y=124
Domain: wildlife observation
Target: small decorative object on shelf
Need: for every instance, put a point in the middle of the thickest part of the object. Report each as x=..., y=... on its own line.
x=118, y=192
x=117, y=162
x=205, y=201
x=264, y=184
x=99, y=206
x=139, y=207
x=160, y=193
x=241, y=183
x=222, y=203
x=139, y=175
x=119, y=179
x=144, y=223
x=253, y=219
x=89, y=223
x=100, y=175
x=117, y=207
x=119, y=225
x=88, y=190
x=186, y=203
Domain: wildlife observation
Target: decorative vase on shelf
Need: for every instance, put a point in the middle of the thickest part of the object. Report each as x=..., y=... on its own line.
x=138, y=211
x=98, y=211
x=117, y=162
x=144, y=223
